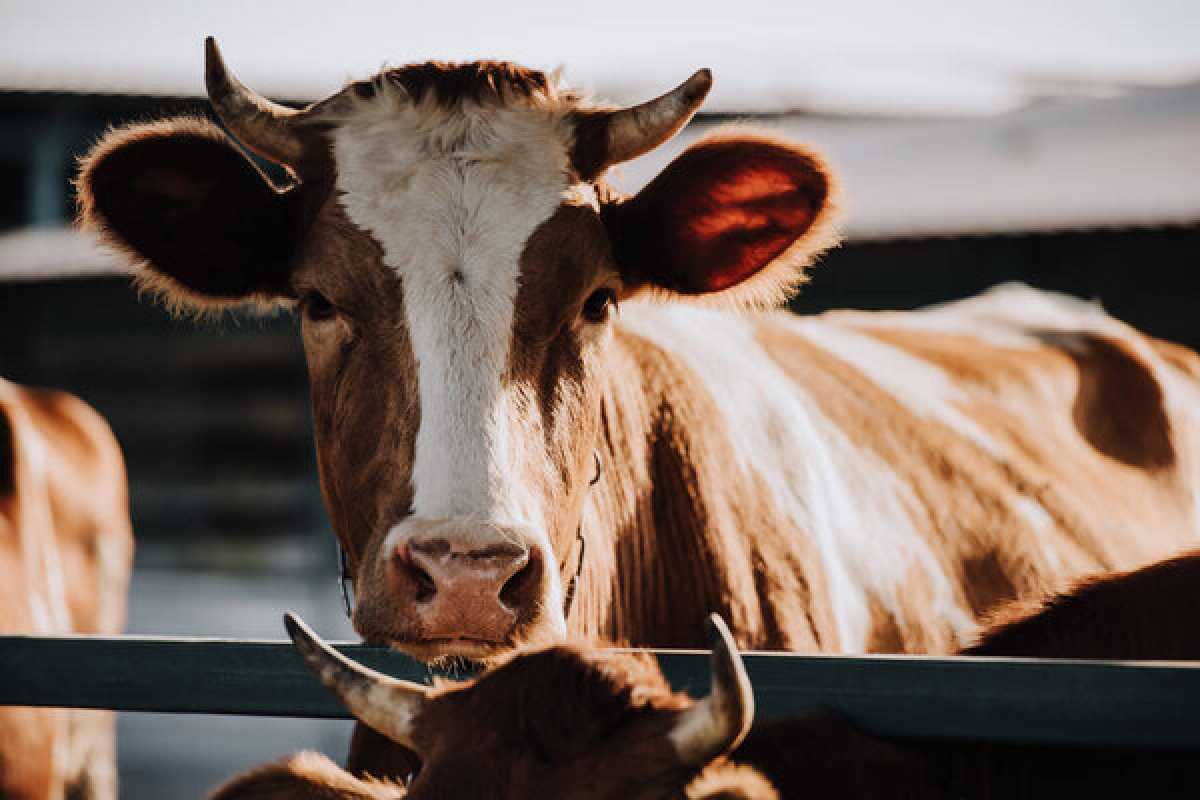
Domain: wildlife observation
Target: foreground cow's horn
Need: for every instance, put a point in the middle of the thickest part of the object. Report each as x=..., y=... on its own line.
x=386, y=704
x=613, y=137
x=719, y=722
x=263, y=126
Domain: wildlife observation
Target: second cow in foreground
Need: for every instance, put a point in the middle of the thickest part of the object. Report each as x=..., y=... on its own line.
x=538, y=409
x=585, y=724
x=563, y=722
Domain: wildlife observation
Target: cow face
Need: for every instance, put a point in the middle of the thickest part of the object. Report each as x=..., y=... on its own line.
x=559, y=722
x=456, y=260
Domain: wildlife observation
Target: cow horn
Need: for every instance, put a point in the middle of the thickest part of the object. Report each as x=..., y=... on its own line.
x=264, y=127
x=384, y=703
x=631, y=132
x=719, y=722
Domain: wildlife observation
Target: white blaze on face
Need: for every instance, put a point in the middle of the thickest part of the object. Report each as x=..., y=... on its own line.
x=452, y=197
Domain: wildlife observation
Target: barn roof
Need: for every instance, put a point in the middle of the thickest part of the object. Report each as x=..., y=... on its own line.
x=859, y=56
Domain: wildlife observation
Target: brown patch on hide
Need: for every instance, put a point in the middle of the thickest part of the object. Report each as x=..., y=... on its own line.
x=1098, y=508
x=1119, y=407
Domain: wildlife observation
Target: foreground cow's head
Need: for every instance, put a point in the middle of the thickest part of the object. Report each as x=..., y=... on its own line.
x=559, y=723
x=455, y=256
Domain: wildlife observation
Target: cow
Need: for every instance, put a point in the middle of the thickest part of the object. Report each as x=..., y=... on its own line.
x=65, y=559
x=565, y=721
x=544, y=408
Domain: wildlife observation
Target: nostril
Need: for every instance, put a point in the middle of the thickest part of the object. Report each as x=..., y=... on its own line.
x=516, y=590
x=408, y=568
x=426, y=588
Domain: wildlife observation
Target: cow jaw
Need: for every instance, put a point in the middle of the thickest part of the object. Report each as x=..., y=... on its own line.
x=452, y=196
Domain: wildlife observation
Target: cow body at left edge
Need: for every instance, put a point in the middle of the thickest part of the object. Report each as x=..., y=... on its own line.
x=66, y=550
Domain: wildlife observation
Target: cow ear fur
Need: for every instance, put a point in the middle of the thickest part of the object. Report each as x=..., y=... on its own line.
x=178, y=198
x=734, y=220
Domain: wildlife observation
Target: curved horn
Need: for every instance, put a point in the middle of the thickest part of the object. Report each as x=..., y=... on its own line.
x=384, y=703
x=264, y=127
x=614, y=137
x=719, y=722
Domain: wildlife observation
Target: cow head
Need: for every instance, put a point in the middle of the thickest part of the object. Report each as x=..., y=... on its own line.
x=559, y=722
x=456, y=258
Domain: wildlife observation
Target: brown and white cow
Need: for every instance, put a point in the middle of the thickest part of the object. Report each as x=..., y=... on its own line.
x=520, y=376
x=563, y=722
x=65, y=556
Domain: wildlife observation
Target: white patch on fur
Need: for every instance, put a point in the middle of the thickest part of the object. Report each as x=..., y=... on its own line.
x=923, y=388
x=451, y=194
x=857, y=510
x=1016, y=316
x=1007, y=315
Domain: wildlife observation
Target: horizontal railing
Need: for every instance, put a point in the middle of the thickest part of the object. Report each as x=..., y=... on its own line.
x=1081, y=703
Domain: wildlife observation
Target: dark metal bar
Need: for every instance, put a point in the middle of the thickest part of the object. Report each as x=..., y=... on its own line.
x=1153, y=705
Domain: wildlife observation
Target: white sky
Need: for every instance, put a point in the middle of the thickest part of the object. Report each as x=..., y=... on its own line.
x=874, y=56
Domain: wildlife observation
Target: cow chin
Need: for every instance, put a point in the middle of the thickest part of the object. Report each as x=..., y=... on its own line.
x=462, y=650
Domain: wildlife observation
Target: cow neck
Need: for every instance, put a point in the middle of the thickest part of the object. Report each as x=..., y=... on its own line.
x=680, y=528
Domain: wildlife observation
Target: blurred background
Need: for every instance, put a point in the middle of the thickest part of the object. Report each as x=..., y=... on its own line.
x=1056, y=144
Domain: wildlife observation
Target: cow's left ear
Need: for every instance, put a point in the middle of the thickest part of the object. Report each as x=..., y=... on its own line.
x=736, y=218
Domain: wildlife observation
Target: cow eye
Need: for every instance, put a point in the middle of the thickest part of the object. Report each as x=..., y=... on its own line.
x=317, y=307
x=596, y=307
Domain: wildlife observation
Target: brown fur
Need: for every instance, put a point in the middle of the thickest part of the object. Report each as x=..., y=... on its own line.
x=1149, y=613
x=449, y=84
x=305, y=776
x=63, y=508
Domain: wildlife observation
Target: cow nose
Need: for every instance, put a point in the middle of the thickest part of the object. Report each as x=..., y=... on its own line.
x=467, y=586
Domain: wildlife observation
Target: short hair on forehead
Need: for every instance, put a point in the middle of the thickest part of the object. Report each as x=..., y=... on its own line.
x=596, y=693
x=490, y=83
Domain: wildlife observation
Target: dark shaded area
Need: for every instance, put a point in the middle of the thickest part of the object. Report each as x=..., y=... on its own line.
x=823, y=755
x=8, y=477
x=1149, y=277
x=42, y=134
x=991, y=772
x=213, y=418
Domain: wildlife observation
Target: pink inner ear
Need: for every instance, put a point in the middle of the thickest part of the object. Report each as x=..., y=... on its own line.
x=746, y=221
x=724, y=210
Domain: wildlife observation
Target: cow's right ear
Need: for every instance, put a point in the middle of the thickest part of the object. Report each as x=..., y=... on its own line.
x=206, y=228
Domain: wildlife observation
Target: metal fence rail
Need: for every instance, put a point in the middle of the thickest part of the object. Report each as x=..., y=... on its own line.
x=1083, y=703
